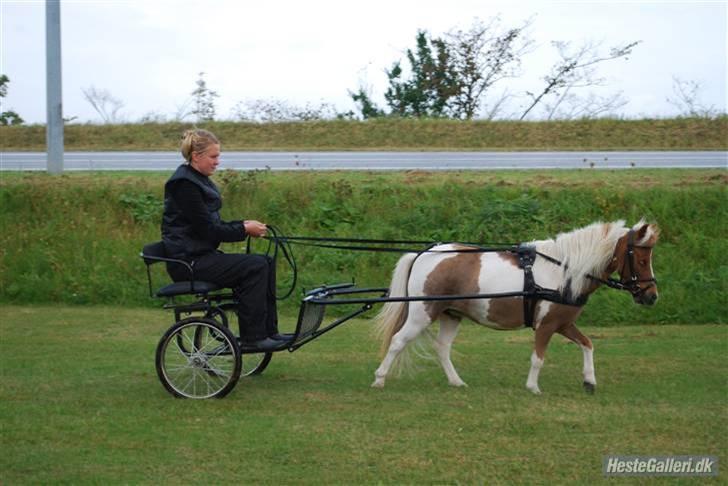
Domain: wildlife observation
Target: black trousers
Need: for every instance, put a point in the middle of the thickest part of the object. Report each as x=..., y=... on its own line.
x=253, y=281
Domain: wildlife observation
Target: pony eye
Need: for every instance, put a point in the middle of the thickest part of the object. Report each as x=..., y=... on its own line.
x=643, y=262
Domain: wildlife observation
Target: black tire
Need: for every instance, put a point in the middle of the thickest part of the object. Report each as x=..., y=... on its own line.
x=218, y=314
x=253, y=363
x=197, y=358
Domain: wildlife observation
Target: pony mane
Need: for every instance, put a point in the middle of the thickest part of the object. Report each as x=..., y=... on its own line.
x=584, y=251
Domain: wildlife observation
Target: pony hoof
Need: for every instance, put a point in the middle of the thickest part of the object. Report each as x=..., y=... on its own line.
x=378, y=384
x=459, y=384
x=590, y=388
x=535, y=390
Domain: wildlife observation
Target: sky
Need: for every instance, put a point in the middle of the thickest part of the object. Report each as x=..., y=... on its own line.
x=149, y=53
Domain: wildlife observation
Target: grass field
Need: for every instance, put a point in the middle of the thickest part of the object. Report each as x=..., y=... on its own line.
x=81, y=403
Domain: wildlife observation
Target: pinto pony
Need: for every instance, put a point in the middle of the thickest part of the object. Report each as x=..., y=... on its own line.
x=564, y=270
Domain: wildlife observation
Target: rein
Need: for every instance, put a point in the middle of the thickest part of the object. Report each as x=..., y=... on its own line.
x=526, y=255
x=279, y=244
x=361, y=244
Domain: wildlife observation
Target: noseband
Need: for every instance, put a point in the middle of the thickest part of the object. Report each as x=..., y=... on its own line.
x=633, y=284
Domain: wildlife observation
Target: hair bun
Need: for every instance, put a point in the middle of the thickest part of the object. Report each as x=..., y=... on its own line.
x=196, y=140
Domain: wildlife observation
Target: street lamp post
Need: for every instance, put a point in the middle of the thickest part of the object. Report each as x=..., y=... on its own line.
x=54, y=94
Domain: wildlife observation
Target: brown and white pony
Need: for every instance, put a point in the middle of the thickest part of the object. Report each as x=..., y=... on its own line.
x=588, y=257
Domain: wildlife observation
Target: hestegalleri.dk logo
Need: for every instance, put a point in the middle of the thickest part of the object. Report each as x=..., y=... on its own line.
x=660, y=466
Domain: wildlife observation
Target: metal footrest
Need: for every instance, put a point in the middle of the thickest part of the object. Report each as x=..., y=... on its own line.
x=313, y=308
x=310, y=316
x=312, y=311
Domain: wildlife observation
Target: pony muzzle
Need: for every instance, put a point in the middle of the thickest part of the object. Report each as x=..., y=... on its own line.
x=645, y=295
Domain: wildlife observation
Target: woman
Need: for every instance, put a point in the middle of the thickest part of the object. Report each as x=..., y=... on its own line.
x=192, y=230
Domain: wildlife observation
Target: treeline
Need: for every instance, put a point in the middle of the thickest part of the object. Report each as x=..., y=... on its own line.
x=463, y=74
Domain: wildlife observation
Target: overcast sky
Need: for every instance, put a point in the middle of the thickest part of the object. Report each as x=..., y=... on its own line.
x=148, y=53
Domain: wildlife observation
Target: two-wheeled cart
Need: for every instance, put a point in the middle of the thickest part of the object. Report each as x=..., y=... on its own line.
x=199, y=356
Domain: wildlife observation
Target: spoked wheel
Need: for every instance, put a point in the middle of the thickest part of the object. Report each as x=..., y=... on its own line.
x=197, y=358
x=253, y=363
x=219, y=314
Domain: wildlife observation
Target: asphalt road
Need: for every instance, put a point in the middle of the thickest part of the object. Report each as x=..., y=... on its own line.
x=73, y=161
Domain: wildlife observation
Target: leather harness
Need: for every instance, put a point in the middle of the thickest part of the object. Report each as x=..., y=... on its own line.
x=525, y=253
x=532, y=292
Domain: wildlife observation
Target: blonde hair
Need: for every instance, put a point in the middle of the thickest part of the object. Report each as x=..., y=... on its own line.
x=196, y=140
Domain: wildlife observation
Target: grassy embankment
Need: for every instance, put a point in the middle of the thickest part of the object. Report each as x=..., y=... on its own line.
x=395, y=134
x=75, y=239
x=81, y=404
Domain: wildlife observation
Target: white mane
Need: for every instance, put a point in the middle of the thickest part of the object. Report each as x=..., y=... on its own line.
x=584, y=251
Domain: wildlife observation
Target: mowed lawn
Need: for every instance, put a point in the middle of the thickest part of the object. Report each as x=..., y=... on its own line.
x=80, y=402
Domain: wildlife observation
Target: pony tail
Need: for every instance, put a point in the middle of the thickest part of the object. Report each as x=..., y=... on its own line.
x=394, y=314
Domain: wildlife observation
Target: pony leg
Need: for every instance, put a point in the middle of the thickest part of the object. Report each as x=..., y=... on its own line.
x=448, y=331
x=572, y=333
x=417, y=321
x=543, y=336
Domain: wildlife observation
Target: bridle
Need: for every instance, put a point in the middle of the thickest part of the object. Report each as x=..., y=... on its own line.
x=632, y=284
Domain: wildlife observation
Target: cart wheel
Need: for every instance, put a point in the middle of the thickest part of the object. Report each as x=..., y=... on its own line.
x=197, y=358
x=255, y=363
x=252, y=363
x=218, y=314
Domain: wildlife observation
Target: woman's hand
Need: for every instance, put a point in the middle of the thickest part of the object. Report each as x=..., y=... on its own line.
x=254, y=228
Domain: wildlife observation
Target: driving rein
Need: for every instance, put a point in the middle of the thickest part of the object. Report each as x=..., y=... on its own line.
x=526, y=257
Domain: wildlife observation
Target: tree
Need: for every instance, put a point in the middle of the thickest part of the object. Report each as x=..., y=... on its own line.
x=423, y=91
x=104, y=103
x=576, y=68
x=571, y=106
x=273, y=110
x=431, y=84
x=450, y=76
x=480, y=58
x=455, y=76
x=183, y=110
x=367, y=107
x=9, y=117
x=204, y=100
x=687, y=99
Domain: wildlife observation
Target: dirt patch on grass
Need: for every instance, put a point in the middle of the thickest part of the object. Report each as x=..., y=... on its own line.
x=721, y=178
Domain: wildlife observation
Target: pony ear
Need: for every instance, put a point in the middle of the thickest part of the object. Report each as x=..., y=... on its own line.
x=642, y=232
x=645, y=231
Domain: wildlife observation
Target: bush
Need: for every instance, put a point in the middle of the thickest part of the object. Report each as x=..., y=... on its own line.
x=76, y=238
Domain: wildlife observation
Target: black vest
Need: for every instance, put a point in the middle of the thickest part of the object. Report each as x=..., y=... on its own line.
x=179, y=240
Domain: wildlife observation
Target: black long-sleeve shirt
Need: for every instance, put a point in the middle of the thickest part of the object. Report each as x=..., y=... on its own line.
x=189, y=199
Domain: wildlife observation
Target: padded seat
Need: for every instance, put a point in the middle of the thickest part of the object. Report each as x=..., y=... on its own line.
x=182, y=288
x=155, y=253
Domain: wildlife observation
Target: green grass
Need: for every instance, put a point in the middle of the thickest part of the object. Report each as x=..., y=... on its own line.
x=81, y=404
x=395, y=134
x=75, y=239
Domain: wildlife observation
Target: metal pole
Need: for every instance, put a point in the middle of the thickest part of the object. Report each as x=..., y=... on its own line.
x=54, y=94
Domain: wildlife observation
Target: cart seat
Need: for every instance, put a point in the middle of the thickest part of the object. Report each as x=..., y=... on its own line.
x=156, y=253
x=196, y=287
